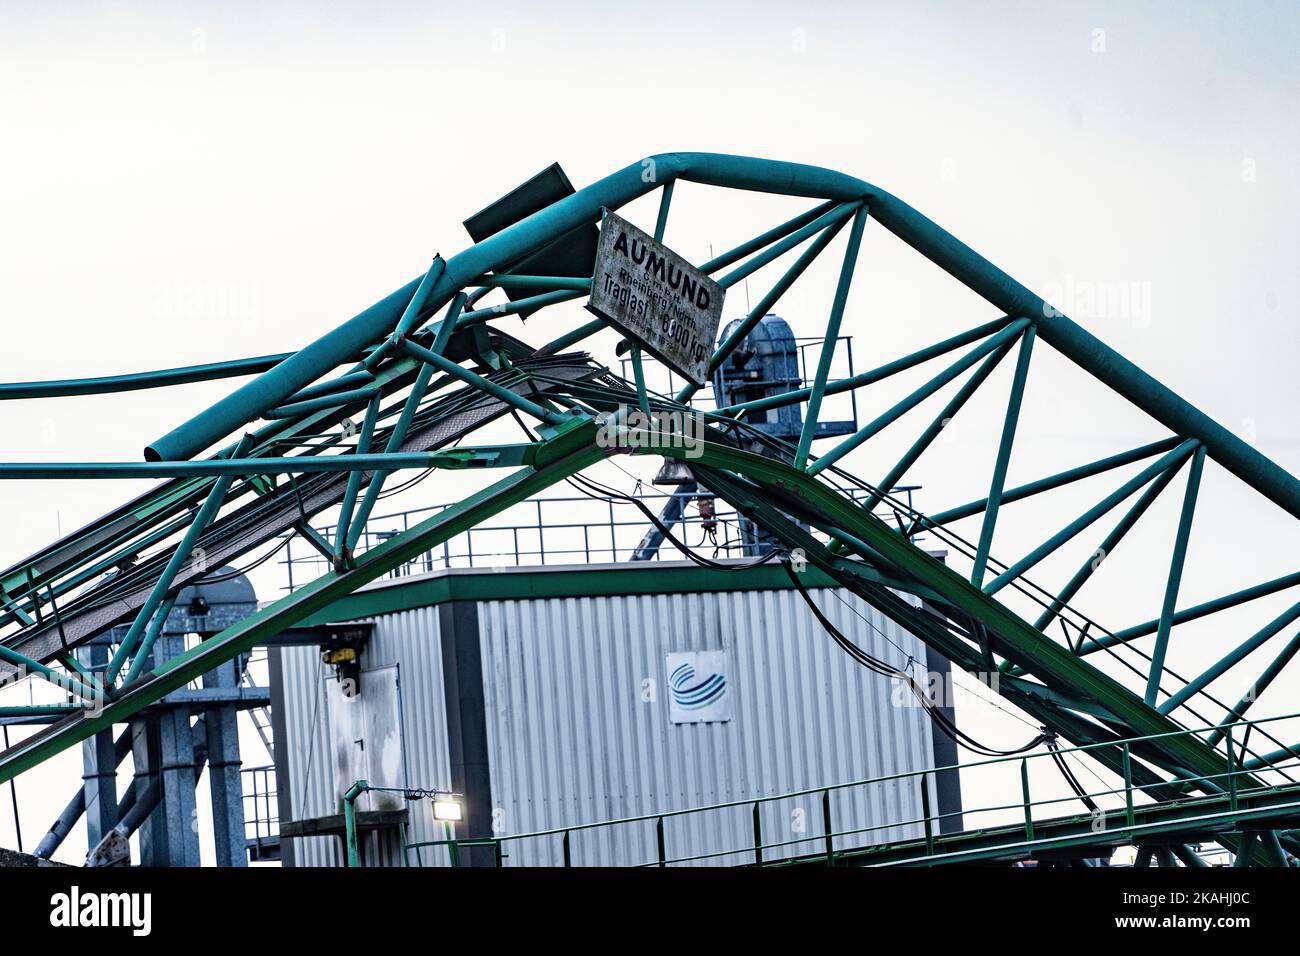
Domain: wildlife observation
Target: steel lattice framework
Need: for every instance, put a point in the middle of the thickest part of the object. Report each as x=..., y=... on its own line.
x=426, y=367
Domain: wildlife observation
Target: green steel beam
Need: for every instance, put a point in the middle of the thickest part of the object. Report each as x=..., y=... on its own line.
x=1018, y=640
x=1107, y=547
x=903, y=406
x=1235, y=599
x=1175, y=575
x=183, y=552
x=871, y=376
x=1170, y=460
x=1004, y=458
x=1049, y=483
x=765, y=305
x=936, y=427
x=571, y=449
x=830, y=338
x=106, y=384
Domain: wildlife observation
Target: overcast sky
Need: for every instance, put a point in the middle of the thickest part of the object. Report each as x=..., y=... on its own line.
x=194, y=182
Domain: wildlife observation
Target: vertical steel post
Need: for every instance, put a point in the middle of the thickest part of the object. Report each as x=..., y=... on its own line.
x=638, y=375
x=1175, y=575
x=660, y=842
x=758, y=836
x=1232, y=772
x=364, y=437
x=925, y=812
x=827, y=828
x=395, y=440
x=1128, y=786
x=1004, y=457
x=665, y=200
x=350, y=820
x=832, y=335
x=1024, y=789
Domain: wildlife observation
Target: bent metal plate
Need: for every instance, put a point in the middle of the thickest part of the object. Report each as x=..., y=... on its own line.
x=656, y=298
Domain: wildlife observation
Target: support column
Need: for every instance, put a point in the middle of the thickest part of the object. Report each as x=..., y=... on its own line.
x=176, y=742
x=224, y=764
x=146, y=755
x=462, y=668
x=99, y=766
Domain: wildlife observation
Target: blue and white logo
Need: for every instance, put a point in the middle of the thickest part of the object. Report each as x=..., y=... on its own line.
x=697, y=686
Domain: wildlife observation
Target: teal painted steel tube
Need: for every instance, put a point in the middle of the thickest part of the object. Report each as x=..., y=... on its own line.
x=208, y=468
x=492, y=388
x=530, y=304
x=665, y=202
x=765, y=305
x=937, y=426
x=956, y=258
x=1233, y=657
x=141, y=659
x=448, y=324
x=871, y=376
x=105, y=384
x=335, y=400
x=414, y=309
x=1108, y=545
x=992, y=344
x=342, y=383
x=350, y=821
x=772, y=235
x=831, y=337
x=1052, y=481
x=1004, y=458
x=1168, y=460
x=1175, y=575
x=1235, y=599
x=778, y=249
x=354, y=481
x=395, y=440
x=1260, y=685
x=40, y=710
x=65, y=681
x=542, y=283
x=182, y=553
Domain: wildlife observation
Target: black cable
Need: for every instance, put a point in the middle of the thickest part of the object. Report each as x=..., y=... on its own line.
x=948, y=727
x=1059, y=759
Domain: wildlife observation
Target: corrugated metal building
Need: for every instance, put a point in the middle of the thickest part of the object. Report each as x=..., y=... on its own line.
x=543, y=696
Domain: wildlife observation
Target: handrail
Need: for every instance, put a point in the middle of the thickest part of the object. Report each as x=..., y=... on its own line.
x=1232, y=792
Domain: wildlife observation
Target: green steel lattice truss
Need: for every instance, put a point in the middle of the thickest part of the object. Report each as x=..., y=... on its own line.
x=426, y=367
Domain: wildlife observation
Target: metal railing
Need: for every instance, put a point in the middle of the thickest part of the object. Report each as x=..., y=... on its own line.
x=1126, y=802
x=261, y=811
x=542, y=531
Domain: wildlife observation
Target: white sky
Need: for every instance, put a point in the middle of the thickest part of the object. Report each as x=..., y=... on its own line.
x=206, y=181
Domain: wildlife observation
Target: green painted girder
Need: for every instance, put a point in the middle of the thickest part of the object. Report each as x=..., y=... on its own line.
x=1190, y=820
x=1017, y=640
x=572, y=448
x=1039, y=702
x=585, y=206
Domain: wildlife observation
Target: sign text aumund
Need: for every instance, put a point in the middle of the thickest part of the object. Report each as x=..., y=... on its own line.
x=656, y=297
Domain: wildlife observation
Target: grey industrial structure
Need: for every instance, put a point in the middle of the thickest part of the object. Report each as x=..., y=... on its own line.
x=540, y=697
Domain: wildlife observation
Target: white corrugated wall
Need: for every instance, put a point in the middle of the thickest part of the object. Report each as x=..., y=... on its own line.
x=579, y=732
x=411, y=640
x=575, y=737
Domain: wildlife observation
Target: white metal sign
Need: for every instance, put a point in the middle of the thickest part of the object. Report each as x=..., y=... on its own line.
x=656, y=297
x=698, y=688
